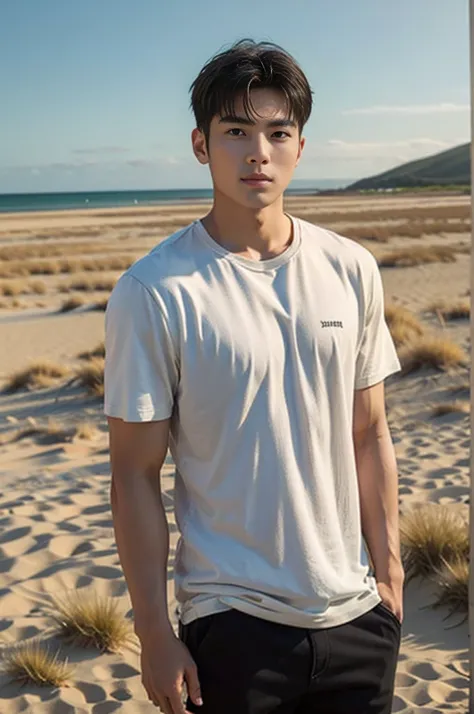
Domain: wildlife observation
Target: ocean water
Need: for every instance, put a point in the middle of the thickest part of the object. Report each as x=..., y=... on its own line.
x=20, y=202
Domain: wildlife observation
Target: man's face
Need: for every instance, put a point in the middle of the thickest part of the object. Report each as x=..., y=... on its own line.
x=238, y=147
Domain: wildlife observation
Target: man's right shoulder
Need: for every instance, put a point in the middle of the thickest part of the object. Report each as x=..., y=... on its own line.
x=169, y=259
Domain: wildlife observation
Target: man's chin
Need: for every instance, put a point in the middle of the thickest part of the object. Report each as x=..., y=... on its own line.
x=248, y=199
x=260, y=199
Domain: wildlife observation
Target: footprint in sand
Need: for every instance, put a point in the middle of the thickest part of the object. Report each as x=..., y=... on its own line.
x=66, y=546
x=450, y=494
x=104, y=571
x=122, y=694
x=424, y=670
x=405, y=680
x=399, y=705
x=123, y=671
x=93, y=693
x=106, y=707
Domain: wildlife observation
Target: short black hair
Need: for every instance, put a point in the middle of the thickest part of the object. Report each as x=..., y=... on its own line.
x=244, y=66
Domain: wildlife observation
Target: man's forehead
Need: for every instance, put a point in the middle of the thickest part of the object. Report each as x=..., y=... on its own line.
x=261, y=114
x=265, y=103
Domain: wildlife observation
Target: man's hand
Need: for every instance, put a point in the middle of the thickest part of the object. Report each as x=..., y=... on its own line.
x=167, y=665
x=392, y=596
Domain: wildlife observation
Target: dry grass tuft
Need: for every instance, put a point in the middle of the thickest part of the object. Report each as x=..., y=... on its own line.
x=380, y=234
x=17, y=303
x=402, y=323
x=101, y=305
x=92, y=621
x=405, y=257
x=85, y=431
x=39, y=375
x=454, y=311
x=32, y=663
x=373, y=213
x=430, y=536
x=37, y=287
x=71, y=304
x=456, y=407
x=54, y=433
x=98, y=351
x=437, y=352
x=87, y=284
x=453, y=581
x=58, y=249
x=14, y=269
x=12, y=288
x=409, y=229
x=91, y=376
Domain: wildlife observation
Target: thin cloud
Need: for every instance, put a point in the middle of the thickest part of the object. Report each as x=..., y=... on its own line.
x=102, y=150
x=98, y=163
x=70, y=165
x=361, y=150
x=343, y=158
x=442, y=108
x=159, y=161
x=53, y=166
x=141, y=163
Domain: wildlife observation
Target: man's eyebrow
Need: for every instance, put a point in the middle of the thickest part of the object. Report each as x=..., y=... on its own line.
x=245, y=121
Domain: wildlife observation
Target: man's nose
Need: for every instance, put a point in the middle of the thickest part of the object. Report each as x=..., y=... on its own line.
x=259, y=152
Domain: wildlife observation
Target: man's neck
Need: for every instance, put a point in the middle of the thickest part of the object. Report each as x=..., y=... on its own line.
x=258, y=235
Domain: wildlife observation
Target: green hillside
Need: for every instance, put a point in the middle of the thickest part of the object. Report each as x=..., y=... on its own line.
x=451, y=167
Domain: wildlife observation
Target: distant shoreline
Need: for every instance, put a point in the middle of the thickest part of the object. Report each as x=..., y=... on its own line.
x=83, y=200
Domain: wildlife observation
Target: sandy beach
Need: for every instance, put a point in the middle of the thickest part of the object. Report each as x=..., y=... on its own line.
x=56, y=531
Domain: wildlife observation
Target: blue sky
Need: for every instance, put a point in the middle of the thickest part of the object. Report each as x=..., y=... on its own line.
x=95, y=93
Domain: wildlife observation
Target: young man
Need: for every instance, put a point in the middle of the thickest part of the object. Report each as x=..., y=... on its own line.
x=255, y=342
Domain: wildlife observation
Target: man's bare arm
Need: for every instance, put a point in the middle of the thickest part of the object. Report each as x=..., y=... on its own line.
x=378, y=487
x=137, y=452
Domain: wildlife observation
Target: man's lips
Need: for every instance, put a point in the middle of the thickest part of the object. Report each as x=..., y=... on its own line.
x=257, y=179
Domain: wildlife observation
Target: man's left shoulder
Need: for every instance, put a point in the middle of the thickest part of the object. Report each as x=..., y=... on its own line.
x=339, y=248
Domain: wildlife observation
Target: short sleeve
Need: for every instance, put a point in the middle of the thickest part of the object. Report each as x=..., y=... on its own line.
x=376, y=357
x=141, y=365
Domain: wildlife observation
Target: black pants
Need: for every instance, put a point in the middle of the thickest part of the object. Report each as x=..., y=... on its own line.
x=247, y=665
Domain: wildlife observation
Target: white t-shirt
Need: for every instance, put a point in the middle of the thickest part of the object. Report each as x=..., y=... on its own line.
x=256, y=362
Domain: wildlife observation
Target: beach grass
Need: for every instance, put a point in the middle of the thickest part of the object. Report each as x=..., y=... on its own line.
x=417, y=255
x=100, y=305
x=457, y=310
x=71, y=304
x=37, y=376
x=54, y=432
x=402, y=323
x=31, y=662
x=432, y=535
x=25, y=268
x=431, y=351
x=456, y=407
x=13, y=288
x=91, y=376
x=88, y=284
x=92, y=621
x=452, y=579
x=98, y=351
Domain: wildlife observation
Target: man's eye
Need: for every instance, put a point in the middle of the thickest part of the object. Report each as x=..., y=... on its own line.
x=231, y=130
x=281, y=132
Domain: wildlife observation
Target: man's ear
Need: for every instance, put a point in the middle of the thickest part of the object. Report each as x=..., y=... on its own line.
x=199, y=146
x=300, y=150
